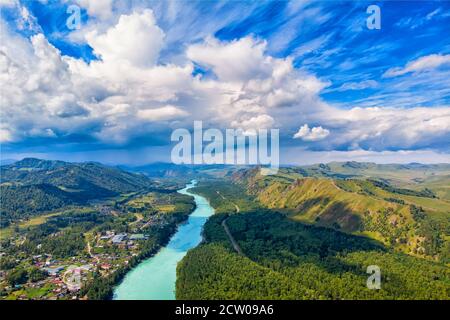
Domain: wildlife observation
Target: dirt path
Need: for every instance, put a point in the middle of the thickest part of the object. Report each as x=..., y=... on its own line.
x=90, y=252
x=139, y=218
x=335, y=185
x=235, y=205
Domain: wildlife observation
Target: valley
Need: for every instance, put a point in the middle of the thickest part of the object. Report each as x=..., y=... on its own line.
x=307, y=232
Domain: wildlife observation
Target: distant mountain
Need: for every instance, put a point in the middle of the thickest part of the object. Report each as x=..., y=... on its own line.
x=75, y=177
x=170, y=170
x=162, y=169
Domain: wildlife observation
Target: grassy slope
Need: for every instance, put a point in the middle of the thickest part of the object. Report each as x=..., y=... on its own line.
x=354, y=205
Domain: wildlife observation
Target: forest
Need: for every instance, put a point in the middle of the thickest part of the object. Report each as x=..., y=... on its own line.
x=284, y=259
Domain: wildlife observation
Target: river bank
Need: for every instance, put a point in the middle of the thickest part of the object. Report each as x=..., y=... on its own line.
x=155, y=277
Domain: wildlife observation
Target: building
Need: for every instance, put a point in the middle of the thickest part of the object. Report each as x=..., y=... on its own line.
x=118, y=238
x=138, y=236
x=53, y=271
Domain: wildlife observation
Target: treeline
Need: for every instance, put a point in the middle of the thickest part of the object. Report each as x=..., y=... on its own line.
x=289, y=260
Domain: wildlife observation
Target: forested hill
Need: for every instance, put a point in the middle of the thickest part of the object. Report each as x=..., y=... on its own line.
x=76, y=176
x=31, y=186
x=315, y=238
x=415, y=221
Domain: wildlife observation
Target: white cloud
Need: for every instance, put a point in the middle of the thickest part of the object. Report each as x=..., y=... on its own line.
x=358, y=85
x=262, y=121
x=430, y=15
x=135, y=38
x=101, y=9
x=161, y=114
x=239, y=60
x=314, y=134
x=392, y=128
x=429, y=62
x=129, y=93
x=5, y=136
x=8, y=3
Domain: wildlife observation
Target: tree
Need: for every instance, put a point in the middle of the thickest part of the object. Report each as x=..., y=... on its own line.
x=17, y=276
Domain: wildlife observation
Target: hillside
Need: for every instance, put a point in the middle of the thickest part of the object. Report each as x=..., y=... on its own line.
x=416, y=222
x=284, y=259
x=414, y=176
x=31, y=186
x=89, y=176
x=304, y=235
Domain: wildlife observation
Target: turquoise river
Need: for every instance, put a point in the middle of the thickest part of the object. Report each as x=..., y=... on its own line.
x=154, y=278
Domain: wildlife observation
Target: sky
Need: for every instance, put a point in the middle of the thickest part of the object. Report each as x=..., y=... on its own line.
x=114, y=86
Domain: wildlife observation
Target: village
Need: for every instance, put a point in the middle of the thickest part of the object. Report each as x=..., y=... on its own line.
x=103, y=254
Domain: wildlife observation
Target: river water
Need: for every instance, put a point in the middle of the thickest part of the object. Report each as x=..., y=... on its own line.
x=154, y=278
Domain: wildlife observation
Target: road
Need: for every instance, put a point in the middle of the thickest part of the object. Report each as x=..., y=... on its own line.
x=230, y=236
x=90, y=252
x=224, y=225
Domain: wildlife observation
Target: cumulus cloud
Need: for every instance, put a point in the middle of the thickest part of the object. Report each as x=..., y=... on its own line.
x=135, y=38
x=101, y=9
x=128, y=93
x=262, y=121
x=161, y=114
x=425, y=63
x=237, y=60
x=313, y=134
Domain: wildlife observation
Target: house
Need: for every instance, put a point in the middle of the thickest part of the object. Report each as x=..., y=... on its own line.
x=107, y=236
x=118, y=238
x=53, y=271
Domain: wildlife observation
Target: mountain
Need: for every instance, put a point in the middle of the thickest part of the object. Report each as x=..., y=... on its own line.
x=162, y=170
x=78, y=177
x=170, y=170
x=413, y=221
x=288, y=236
x=33, y=185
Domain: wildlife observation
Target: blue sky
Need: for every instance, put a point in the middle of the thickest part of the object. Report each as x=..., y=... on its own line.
x=114, y=89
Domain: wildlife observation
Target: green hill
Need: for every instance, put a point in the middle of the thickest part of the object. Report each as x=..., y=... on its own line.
x=89, y=176
x=32, y=186
x=311, y=232
x=416, y=222
x=284, y=259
